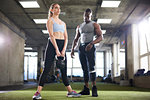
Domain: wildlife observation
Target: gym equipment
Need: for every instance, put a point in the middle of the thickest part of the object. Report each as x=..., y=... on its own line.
x=60, y=62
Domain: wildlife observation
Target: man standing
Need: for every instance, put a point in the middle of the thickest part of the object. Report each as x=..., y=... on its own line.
x=86, y=31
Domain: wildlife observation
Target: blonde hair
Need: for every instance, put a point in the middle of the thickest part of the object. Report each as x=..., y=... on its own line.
x=50, y=14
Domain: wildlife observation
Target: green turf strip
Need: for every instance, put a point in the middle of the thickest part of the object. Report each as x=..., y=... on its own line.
x=57, y=91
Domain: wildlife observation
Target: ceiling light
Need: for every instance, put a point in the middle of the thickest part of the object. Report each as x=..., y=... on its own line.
x=104, y=21
x=110, y=3
x=27, y=48
x=29, y=4
x=40, y=21
x=103, y=31
x=45, y=31
x=31, y=54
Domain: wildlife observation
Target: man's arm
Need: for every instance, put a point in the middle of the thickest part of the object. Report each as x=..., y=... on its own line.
x=99, y=35
x=75, y=41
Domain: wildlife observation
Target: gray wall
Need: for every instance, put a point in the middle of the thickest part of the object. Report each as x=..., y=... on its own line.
x=129, y=54
x=132, y=51
x=11, y=53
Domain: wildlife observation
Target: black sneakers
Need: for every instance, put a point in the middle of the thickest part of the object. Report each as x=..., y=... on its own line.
x=85, y=91
x=94, y=91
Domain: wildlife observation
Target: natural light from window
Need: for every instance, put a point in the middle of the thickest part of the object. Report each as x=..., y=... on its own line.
x=144, y=63
x=143, y=30
x=144, y=40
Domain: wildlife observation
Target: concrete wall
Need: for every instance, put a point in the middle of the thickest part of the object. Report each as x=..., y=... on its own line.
x=115, y=60
x=132, y=51
x=136, y=50
x=11, y=53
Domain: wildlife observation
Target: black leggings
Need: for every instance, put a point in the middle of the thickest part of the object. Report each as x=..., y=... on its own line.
x=49, y=60
x=87, y=59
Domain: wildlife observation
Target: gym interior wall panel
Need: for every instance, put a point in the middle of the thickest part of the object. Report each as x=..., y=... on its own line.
x=129, y=54
x=132, y=51
x=11, y=53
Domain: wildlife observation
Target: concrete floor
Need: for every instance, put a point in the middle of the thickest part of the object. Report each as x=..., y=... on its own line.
x=17, y=87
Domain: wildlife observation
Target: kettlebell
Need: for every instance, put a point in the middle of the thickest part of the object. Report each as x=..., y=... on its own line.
x=60, y=61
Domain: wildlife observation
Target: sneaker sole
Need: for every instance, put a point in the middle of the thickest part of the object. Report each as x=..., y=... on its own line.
x=94, y=95
x=37, y=98
x=69, y=96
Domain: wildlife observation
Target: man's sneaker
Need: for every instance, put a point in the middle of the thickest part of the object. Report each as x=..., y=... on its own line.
x=73, y=94
x=85, y=91
x=37, y=96
x=94, y=91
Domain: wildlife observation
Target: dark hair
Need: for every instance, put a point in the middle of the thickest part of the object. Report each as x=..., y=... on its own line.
x=88, y=10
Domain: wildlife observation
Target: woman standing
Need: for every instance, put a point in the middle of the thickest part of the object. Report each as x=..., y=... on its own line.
x=57, y=44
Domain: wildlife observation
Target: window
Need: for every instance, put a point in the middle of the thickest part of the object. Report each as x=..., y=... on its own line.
x=30, y=65
x=76, y=61
x=109, y=61
x=69, y=60
x=73, y=65
x=121, y=60
x=99, y=64
x=143, y=46
x=78, y=72
x=144, y=38
x=144, y=63
x=148, y=39
x=68, y=71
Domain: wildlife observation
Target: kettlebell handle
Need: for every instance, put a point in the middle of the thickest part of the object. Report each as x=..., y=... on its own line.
x=59, y=56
